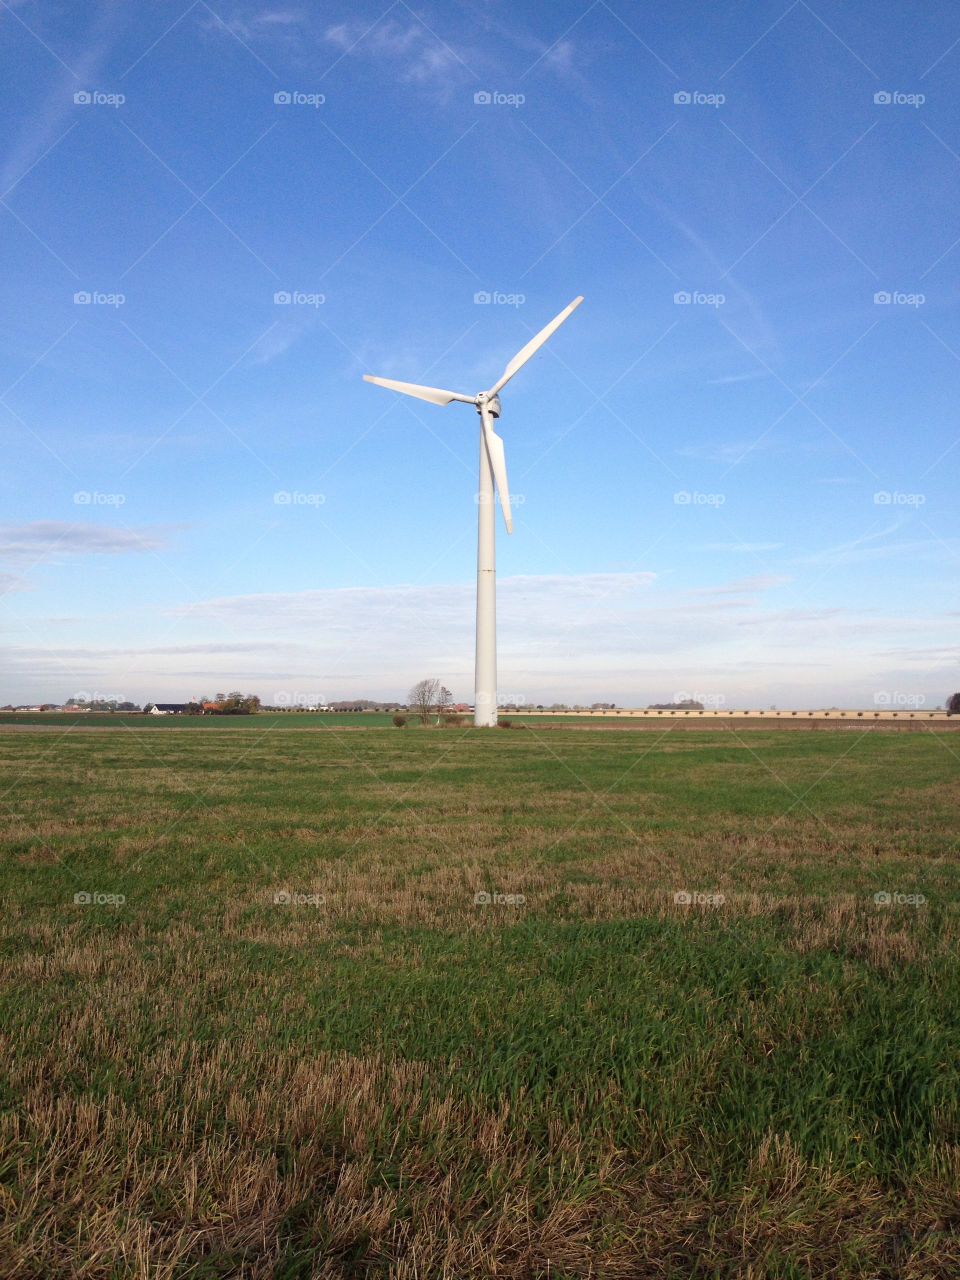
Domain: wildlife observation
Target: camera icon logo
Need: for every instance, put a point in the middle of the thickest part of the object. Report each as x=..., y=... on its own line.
x=82, y=498
x=282, y=498
x=481, y=296
x=281, y=898
x=882, y=899
x=481, y=899
x=82, y=298
x=82, y=98
x=281, y=298
x=682, y=498
x=681, y=98
x=882, y=98
x=82, y=899
x=481, y=98
x=682, y=898
x=682, y=298
x=881, y=299
x=282, y=98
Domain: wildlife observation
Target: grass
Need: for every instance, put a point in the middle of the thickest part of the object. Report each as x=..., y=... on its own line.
x=405, y=1083
x=140, y=721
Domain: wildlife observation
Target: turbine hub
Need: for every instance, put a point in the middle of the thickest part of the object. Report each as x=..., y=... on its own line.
x=492, y=403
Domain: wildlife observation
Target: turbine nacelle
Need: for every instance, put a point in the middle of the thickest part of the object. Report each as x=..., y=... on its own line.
x=491, y=403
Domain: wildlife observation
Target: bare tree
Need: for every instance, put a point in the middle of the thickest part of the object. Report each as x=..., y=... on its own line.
x=423, y=697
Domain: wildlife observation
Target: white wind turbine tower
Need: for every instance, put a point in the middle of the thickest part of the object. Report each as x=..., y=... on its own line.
x=493, y=467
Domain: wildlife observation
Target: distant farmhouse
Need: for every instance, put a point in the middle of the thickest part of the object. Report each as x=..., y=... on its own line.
x=165, y=708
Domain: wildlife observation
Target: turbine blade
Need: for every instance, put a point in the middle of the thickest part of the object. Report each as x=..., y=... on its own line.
x=434, y=394
x=534, y=345
x=498, y=465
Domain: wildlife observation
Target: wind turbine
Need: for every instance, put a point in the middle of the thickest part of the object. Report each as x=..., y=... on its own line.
x=493, y=467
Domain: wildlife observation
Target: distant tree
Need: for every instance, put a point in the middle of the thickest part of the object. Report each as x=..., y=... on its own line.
x=444, y=700
x=422, y=698
x=399, y=721
x=227, y=704
x=953, y=705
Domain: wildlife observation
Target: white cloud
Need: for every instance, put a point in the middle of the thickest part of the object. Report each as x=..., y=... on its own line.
x=625, y=637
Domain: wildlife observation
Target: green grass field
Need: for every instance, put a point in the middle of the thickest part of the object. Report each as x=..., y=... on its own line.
x=391, y=1079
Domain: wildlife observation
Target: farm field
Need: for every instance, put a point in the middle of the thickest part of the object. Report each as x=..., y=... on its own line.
x=285, y=1038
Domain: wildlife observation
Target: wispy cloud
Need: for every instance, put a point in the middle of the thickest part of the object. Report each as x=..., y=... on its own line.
x=12, y=582
x=758, y=582
x=275, y=342
x=25, y=542
x=248, y=27
x=740, y=546
x=752, y=376
x=870, y=547
x=412, y=51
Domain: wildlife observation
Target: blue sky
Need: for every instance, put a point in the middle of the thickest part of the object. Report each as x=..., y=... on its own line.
x=811, y=426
